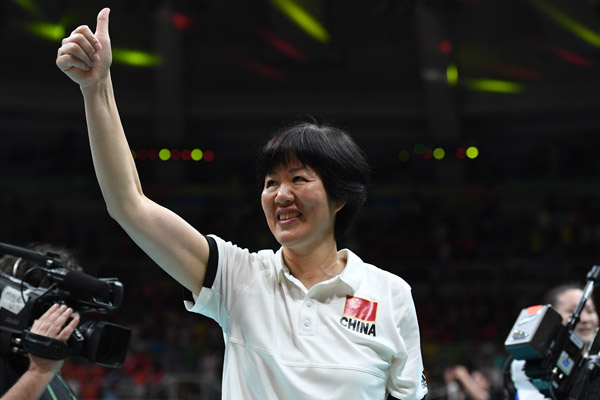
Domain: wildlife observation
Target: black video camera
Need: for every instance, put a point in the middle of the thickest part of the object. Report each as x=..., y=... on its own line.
x=100, y=342
x=555, y=361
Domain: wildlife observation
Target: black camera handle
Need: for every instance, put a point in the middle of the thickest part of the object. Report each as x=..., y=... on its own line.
x=43, y=346
x=592, y=278
x=49, y=260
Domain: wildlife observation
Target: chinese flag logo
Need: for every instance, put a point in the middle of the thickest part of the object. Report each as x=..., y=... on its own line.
x=362, y=309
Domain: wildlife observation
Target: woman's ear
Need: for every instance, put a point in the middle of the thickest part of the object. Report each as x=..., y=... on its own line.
x=338, y=206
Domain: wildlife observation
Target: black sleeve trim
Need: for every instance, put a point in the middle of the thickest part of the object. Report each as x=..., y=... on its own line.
x=211, y=268
x=213, y=263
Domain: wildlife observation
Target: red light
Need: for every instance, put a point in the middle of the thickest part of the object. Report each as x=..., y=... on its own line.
x=265, y=70
x=175, y=154
x=445, y=47
x=522, y=72
x=461, y=152
x=152, y=154
x=141, y=154
x=285, y=47
x=565, y=54
x=186, y=154
x=209, y=155
x=181, y=21
x=427, y=154
x=573, y=58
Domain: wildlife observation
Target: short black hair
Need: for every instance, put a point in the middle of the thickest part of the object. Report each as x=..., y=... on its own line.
x=18, y=267
x=333, y=154
x=552, y=296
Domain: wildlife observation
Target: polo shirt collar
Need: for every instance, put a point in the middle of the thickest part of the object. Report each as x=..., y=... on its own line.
x=349, y=275
x=280, y=267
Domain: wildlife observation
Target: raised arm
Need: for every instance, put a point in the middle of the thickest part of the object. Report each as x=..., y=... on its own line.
x=172, y=243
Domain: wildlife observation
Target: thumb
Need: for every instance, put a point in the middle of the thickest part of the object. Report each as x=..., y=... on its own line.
x=102, y=22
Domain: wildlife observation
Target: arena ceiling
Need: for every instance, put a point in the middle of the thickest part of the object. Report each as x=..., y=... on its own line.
x=442, y=71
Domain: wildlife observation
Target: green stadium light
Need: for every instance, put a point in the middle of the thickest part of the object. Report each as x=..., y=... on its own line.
x=568, y=23
x=403, y=156
x=164, y=154
x=303, y=19
x=28, y=5
x=494, y=85
x=439, y=153
x=136, y=58
x=472, y=152
x=54, y=32
x=419, y=148
x=452, y=74
x=197, y=154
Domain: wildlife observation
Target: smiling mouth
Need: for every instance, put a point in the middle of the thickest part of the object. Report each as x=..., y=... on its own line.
x=289, y=215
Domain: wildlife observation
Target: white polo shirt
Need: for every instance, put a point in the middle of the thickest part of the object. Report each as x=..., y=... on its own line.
x=354, y=336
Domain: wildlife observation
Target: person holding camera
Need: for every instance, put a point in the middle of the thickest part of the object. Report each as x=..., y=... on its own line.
x=564, y=299
x=304, y=322
x=25, y=376
x=29, y=377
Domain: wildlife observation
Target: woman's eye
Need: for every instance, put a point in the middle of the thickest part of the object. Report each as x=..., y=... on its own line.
x=270, y=183
x=299, y=179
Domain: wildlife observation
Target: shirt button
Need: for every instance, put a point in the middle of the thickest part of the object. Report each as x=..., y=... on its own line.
x=307, y=323
x=309, y=304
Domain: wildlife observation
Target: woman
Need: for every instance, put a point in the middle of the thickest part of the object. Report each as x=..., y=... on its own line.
x=304, y=322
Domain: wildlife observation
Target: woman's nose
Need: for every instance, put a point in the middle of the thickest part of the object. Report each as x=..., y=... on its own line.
x=284, y=194
x=585, y=316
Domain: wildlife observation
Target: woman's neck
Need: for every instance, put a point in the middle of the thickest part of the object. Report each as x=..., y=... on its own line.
x=315, y=265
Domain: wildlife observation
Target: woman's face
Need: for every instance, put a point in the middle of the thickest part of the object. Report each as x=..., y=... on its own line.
x=298, y=210
x=567, y=302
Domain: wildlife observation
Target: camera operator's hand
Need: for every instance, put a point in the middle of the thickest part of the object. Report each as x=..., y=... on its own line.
x=53, y=324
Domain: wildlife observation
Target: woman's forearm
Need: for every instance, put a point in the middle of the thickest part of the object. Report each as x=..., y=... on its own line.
x=113, y=162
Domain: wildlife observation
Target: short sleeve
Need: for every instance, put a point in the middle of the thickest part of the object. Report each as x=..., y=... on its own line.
x=407, y=378
x=236, y=269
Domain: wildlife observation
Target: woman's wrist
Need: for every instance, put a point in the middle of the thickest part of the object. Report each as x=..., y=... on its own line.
x=102, y=85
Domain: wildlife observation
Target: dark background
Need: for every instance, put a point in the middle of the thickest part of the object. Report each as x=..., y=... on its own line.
x=477, y=239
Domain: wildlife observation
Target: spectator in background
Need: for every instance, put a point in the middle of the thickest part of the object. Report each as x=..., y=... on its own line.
x=462, y=384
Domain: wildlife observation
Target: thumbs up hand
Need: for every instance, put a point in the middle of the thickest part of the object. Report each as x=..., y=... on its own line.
x=85, y=57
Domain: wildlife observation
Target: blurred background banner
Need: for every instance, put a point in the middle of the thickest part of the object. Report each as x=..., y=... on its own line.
x=480, y=118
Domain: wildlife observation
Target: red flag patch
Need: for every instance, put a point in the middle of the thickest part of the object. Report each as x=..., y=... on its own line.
x=362, y=309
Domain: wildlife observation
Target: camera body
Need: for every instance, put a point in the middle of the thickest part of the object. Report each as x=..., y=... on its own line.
x=21, y=303
x=553, y=355
x=554, y=359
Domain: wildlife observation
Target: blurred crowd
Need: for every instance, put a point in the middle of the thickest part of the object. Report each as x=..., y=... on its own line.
x=474, y=255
